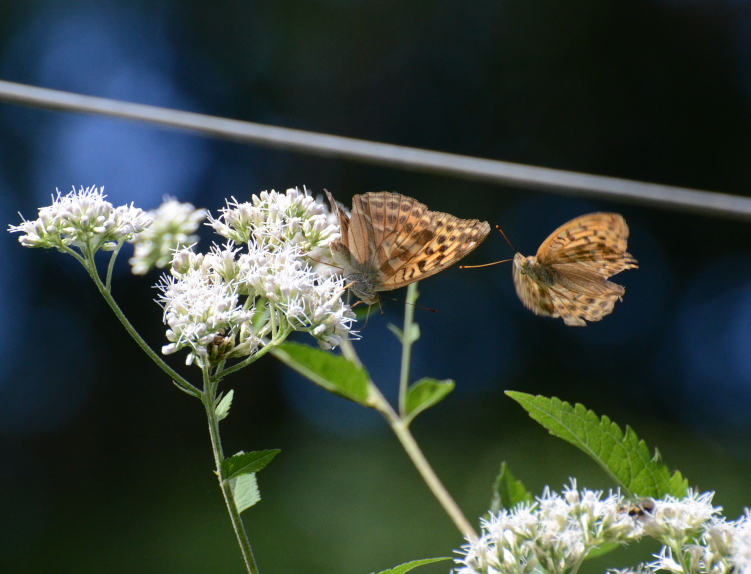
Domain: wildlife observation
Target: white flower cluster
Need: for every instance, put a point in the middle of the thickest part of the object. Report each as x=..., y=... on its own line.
x=556, y=533
x=273, y=220
x=174, y=225
x=242, y=298
x=84, y=220
x=697, y=540
x=552, y=535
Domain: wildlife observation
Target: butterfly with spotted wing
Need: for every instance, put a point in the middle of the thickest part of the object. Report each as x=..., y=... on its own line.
x=568, y=277
x=392, y=240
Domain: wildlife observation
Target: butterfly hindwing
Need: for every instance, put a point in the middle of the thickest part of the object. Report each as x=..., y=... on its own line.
x=533, y=296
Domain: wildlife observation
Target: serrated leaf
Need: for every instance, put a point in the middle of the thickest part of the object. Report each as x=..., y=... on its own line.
x=403, y=568
x=507, y=491
x=247, y=462
x=245, y=491
x=623, y=456
x=334, y=373
x=424, y=394
x=222, y=409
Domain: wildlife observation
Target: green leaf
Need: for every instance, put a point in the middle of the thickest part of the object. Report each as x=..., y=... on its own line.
x=245, y=490
x=623, y=456
x=414, y=332
x=247, y=462
x=334, y=373
x=507, y=491
x=222, y=409
x=606, y=548
x=401, y=569
x=398, y=333
x=424, y=394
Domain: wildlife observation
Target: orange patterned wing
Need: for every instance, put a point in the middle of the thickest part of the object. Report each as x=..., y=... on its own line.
x=577, y=308
x=568, y=277
x=596, y=242
x=533, y=295
x=392, y=240
x=340, y=215
x=413, y=243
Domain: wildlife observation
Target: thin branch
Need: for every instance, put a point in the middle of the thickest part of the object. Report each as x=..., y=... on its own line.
x=460, y=166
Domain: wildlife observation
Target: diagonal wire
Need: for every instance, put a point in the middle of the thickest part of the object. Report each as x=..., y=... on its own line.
x=408, y=158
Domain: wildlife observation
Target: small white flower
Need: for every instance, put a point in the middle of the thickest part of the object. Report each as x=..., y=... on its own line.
x=200, y=311
x=84, y=220
x=675, y=521
x=665, y=561
x=740, y=546
x=174, y=225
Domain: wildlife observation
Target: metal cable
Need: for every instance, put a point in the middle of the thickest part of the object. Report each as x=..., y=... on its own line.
x=408, y=158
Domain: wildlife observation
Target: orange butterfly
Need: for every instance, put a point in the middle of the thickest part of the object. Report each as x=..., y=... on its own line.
x=568, y=277
x=392, y=240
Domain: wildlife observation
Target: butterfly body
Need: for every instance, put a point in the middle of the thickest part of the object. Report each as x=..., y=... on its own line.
x=392, y=240
x=568, y=277
x=364, y=277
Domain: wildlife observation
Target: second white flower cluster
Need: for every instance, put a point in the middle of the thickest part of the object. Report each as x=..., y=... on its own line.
x=259, y=286
x=558, y=531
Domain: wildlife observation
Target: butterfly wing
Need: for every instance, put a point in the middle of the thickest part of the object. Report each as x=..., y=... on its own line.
x=595, y=242
x=533, y=295
x=577, y=308
x=559, y=301
x=336, y=209
x=412, y=243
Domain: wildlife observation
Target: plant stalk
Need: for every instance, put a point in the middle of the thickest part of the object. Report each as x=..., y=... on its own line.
x=208, y=399
x=426, y=471
x=407, y=341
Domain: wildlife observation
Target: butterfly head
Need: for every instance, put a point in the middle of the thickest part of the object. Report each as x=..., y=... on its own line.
x=364, y=291
x=524, y=264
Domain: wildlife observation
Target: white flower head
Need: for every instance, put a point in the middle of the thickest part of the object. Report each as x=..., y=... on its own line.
x=299, y=297
x=740, y=545
x=263, y=267
x=674, y=521
x=201, y=312
x=271, y=219
x=174, y=225
x=552, y=535
x=82, y=219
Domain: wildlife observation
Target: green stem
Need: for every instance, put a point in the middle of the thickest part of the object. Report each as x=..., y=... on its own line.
x=258, y=354
x=401, y=429
x=182, y=383
x=208, y=399
x=408, y=339
x=348, y=350
x=111, y=266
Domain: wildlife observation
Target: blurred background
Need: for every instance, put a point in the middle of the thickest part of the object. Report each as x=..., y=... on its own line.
x=106, y=467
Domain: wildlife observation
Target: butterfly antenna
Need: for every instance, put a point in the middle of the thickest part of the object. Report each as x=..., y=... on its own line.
x=498, y=227
x=324, y=263
x=415, y=305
